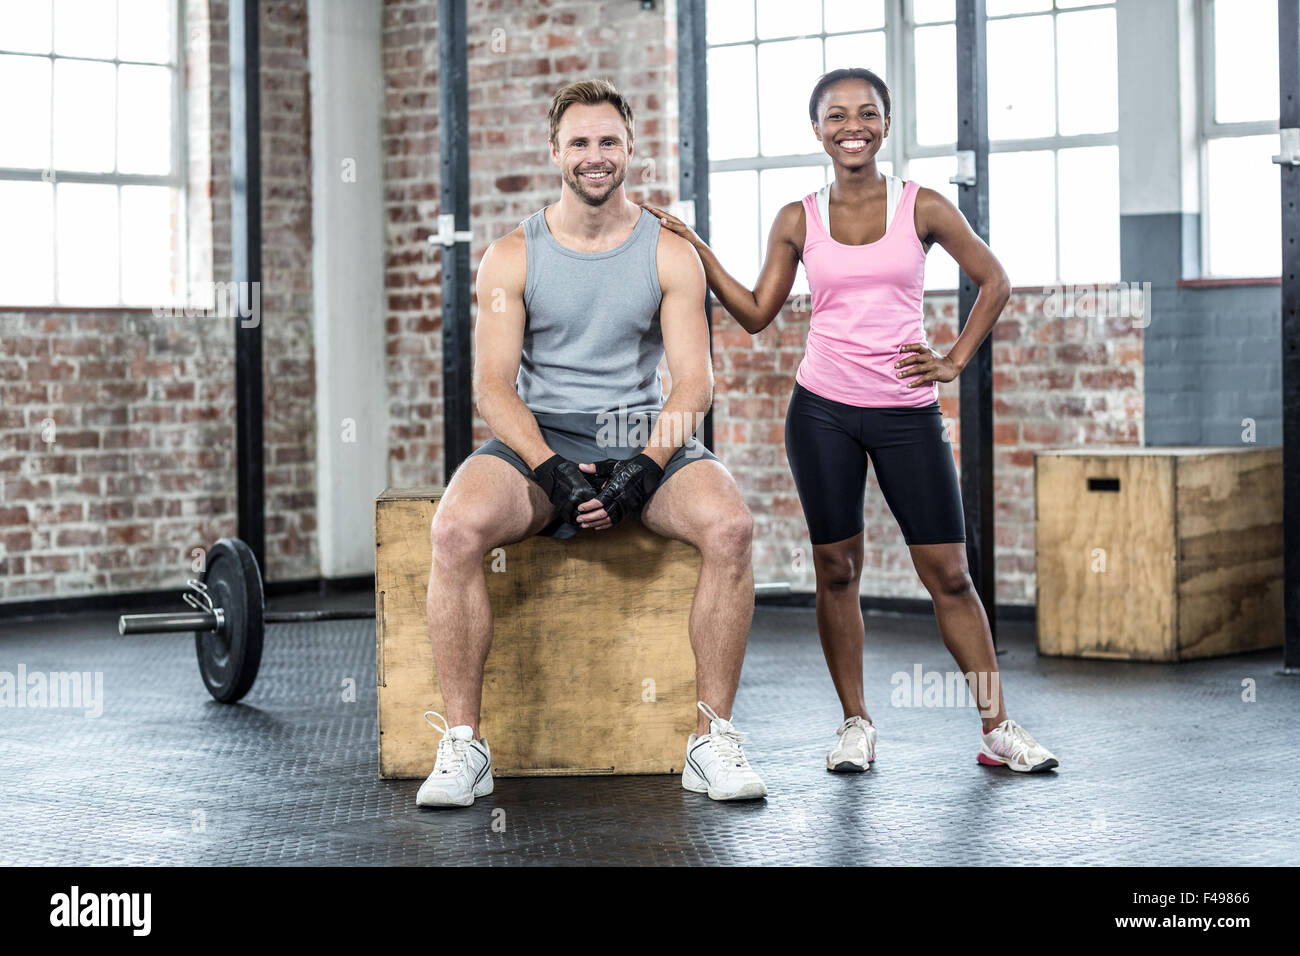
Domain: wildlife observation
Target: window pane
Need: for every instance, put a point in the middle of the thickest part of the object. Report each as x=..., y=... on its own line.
x=936, y=85
x=997, y=8
x=1022, y=215
x=26, y=26
x=85, y=28
x=1022, y=88
x=857, y=49
x=941, y=271
x=932, y=11
x=733, y=107
x=1089, y=203
x=1242, y=223
x=844, y=15
x=781, y=18
x=144, y=30
x=733, y=223
x=27, y=253
x=729, y=20
x=1088, y=72
x=149, y=227
x=83, y=115
x=787, y=72
x=781, y=186
x=144, y=119
x=1245, y=61
x=29, y=112
x=88, y=244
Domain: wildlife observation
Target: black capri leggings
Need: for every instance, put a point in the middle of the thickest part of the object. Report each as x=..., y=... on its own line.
x=828, y=444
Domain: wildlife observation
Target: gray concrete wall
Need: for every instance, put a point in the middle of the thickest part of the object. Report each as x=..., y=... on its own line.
x=1212, y=356
x=348, y=262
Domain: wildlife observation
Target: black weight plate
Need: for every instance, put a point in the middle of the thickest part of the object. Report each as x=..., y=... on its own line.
x=229, y=659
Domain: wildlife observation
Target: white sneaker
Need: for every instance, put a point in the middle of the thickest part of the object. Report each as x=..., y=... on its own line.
x=716, y=764
x=1010, y=745
x=855, y=751
x=462, y=771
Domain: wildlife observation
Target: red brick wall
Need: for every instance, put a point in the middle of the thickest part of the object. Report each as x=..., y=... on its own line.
x=137, y=471
x=144, y=466
x=412, y=278
x=289, y=361
x=1058, y=383
x=142, y=470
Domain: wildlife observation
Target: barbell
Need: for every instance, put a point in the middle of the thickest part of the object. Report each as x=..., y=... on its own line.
x=228, y=617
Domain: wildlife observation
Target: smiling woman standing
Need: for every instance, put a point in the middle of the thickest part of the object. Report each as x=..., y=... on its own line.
x=866, y=391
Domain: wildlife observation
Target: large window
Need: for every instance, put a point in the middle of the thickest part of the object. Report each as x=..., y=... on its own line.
x=1241, y=189
x=764, y=57
x=91, y=155
x=1053, y=120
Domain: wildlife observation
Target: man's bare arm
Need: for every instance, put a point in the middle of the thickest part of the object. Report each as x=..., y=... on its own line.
x=498, y=347
x=686, y=346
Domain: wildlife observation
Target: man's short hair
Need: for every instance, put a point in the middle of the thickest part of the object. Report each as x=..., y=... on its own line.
x=588, y=92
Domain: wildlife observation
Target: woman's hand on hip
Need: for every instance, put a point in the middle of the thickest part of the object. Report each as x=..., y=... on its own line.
x=923, y=364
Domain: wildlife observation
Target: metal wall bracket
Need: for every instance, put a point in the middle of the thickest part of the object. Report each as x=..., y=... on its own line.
x=965, y=168
x=447, y=235
x=1290, y=154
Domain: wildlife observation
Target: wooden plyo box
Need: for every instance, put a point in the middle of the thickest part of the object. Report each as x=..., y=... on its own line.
x=1158, y=554
x=591, y=669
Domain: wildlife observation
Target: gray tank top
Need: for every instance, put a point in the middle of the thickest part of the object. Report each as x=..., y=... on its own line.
x=592, y=340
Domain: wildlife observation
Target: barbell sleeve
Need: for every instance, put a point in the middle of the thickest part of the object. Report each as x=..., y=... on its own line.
x=168, y=623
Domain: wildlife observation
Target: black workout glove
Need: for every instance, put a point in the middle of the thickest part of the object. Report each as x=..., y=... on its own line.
x=629, y=486
x=565, y=484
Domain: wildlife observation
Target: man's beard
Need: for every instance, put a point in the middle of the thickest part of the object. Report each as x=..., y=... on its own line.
x=582, y=188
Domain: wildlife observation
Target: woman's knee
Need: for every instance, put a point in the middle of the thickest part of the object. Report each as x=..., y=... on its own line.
x=949, y=582
x=838, y=569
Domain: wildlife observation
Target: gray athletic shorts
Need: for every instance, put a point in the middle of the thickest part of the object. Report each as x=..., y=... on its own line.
x=590, y=437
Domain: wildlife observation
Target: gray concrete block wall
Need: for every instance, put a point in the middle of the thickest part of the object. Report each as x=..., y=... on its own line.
x=1212, y=356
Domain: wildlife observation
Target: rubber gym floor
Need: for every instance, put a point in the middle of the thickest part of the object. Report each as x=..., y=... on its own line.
x=1160, y=765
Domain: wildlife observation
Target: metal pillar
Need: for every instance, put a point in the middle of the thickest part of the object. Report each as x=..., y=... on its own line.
x=976, y=381
x=1288, y=24
x=246, y=268
x=693, y=137
x=453, y=150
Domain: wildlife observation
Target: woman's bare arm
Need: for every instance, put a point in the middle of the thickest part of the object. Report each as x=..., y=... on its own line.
x=938, y=220
x=753, y=308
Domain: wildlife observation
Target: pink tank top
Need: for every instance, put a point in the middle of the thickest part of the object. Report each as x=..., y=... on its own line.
x=866, y=304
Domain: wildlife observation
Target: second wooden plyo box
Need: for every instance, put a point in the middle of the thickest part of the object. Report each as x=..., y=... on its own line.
x=1158, y=553
x=591, y=669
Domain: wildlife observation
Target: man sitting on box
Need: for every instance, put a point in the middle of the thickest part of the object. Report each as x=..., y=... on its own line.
x=577, y=307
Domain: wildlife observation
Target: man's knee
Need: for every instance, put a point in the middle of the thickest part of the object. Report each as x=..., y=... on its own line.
x=730, y=536
x=457, y=536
